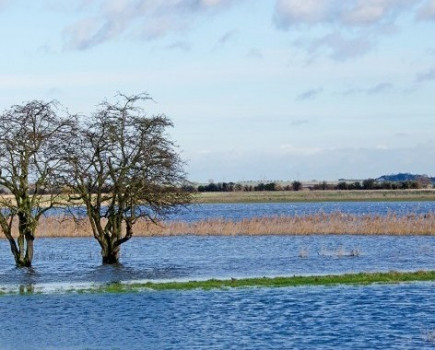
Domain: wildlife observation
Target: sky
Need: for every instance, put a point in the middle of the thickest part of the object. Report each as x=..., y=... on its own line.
x=260, y=90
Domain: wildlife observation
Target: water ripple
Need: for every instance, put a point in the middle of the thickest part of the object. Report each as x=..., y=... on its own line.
x=375, y=317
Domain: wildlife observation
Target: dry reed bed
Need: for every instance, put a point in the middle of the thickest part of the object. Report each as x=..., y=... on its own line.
x=335, y=223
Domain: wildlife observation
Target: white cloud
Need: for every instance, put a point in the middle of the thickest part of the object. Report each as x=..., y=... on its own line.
x=376, y=89
x=148, y=19
x=89, y=32
x=255, y=53
x=427, y=11
x=291, y=12
x=180, y=45
x=339, y=12
x=335, y=45
x=426, y=76
x=309, y=94
x=367, y=12
x=228, y=36
x=340, y=47
x=379, y=88
x=355, y=25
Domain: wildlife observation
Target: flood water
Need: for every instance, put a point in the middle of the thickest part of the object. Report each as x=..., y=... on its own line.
x=240, y=211
x=192, y=257
x=375, y=317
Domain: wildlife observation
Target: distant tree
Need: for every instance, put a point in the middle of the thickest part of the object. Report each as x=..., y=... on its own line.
x=123, y=167
x=322, y=186
x=272, y=186
x=406, y=185
x=296, y=185
x=369, y=184
x=248, y=188
x=356, y=186
x=424, y=181
x=32, y=138
x=342, y=186
x=387, y=185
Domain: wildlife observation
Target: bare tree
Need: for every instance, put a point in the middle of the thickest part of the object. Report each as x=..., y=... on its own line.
x=32, y=136
x=123, y=167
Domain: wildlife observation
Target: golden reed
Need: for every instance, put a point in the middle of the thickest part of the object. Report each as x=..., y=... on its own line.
x=335, y=223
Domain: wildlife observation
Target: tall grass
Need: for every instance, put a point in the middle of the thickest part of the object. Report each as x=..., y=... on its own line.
x=321, y=223
x=335, y=223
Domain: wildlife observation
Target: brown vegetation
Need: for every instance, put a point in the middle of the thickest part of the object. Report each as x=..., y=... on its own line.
x=335, y=223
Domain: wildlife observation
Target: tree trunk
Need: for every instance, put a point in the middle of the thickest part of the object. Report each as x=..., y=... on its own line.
x=22, y=250
x=25, y=253
x=29, y=251
x=25, y=241
x=110, y=253
x=111, y=259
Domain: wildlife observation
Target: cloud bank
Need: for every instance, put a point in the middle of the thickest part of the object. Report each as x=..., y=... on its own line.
x=353, y=25
x=148, y=19
x=350, y=23
x=350, y=13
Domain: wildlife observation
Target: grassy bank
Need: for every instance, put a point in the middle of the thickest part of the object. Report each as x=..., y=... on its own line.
x=334, y=223
x=276, y=282
x=315, y=196
x=265, y=282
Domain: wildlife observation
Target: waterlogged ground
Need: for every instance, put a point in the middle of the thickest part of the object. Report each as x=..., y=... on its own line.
x=77, y=260
x=371, y=317
x=375, y=317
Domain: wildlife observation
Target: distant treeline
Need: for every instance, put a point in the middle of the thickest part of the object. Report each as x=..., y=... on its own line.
x=368, y=184
x=233, y=187
x=371, y=184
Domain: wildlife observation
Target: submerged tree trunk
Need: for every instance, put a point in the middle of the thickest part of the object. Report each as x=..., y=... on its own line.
x=111, y=259
x=23, y=251
x=25, y=240
x=109, y=252
x=22, y=248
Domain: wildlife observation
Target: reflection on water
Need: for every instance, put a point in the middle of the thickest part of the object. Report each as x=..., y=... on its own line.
x=373, y=317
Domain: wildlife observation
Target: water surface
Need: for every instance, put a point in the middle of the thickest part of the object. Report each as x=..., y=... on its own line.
x=371, y=317
x=192, y=257
x=240, y=211
x=339, y=317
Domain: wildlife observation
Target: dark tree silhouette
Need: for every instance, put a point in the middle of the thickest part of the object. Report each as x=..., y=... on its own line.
x=32, y=137
x=123, y=167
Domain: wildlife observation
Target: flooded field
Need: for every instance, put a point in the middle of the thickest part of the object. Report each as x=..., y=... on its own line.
x=376, y=317
x=63, y=260
x=373, y=317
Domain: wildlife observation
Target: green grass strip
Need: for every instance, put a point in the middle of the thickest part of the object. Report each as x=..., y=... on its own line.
x=276, y=282
x=392, y=277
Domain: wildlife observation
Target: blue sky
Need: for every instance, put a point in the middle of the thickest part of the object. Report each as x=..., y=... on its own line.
x=257, y=89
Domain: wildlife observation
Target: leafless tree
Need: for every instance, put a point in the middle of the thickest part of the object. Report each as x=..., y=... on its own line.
x=32, y=138
x=123, y=167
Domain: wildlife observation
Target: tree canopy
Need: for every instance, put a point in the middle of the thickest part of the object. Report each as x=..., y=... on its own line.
x=32, y=139
x=123, y=167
